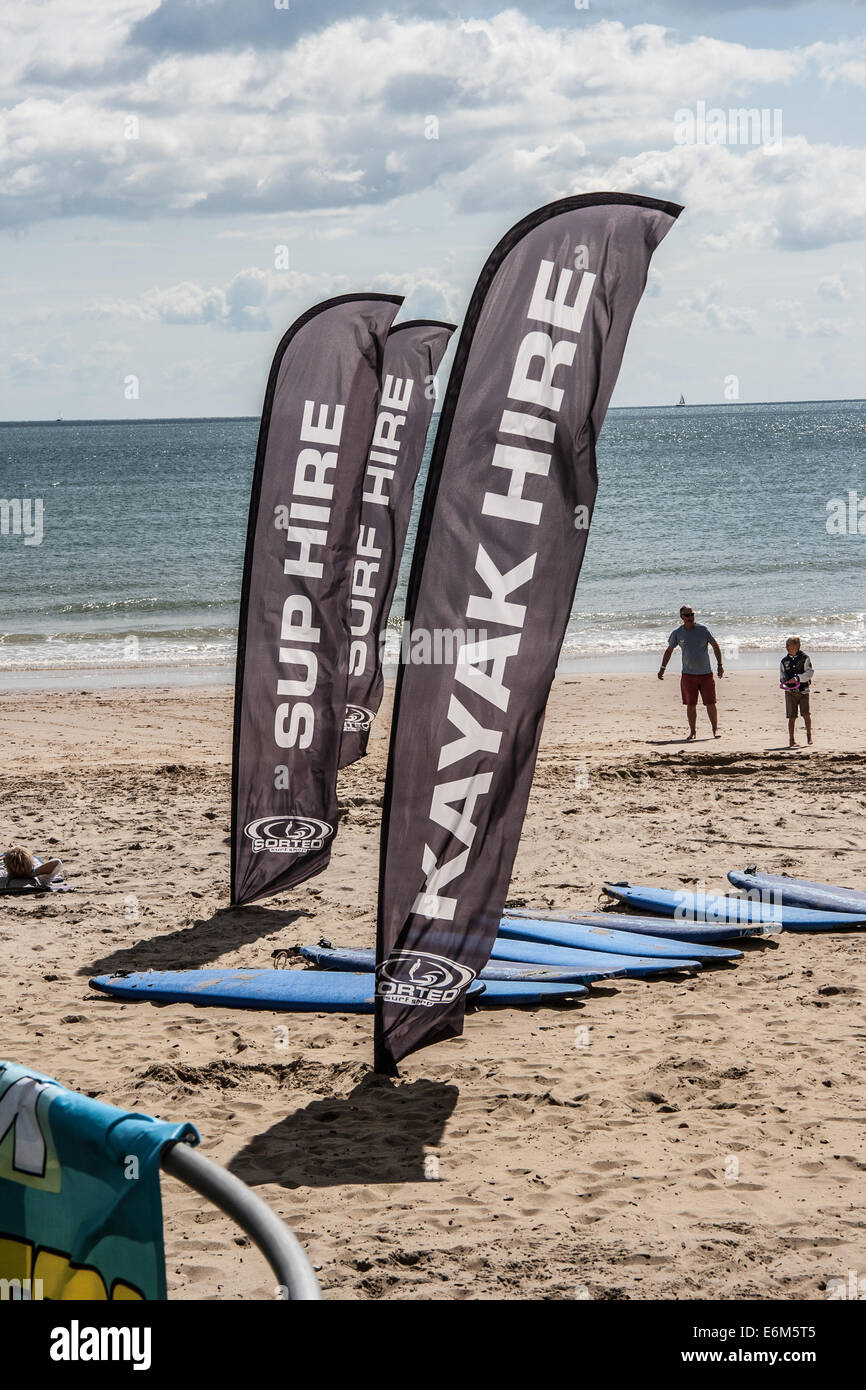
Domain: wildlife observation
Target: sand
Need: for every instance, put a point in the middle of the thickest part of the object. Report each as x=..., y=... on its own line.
x=696, y=1137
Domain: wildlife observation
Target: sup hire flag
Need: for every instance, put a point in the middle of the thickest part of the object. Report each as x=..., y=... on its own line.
x=412, y=356
x=501, y=539
x=293, y=636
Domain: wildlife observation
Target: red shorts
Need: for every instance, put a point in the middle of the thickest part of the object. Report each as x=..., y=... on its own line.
x=693, y=686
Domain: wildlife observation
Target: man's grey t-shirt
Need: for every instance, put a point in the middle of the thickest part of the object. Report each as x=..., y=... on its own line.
x=693, y=645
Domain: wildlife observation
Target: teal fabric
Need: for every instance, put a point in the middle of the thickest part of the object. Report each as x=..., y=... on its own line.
x=80, y=1203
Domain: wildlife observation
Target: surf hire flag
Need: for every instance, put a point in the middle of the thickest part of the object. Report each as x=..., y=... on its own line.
x=502, y=534
x=293, y=638
x=412, y=356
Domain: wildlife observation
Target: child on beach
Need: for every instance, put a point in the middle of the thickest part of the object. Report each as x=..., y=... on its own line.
x=795, y=677
x=19, y=863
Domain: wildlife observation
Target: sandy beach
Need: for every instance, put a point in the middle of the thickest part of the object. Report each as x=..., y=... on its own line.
x=696, y=1137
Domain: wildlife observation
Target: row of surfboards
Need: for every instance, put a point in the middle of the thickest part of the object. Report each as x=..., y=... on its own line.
x=536, y=956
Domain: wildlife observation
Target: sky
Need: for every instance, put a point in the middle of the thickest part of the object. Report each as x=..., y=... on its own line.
x=179, y=179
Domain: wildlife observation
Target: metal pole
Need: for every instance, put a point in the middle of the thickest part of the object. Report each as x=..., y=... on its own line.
x=278, y=1244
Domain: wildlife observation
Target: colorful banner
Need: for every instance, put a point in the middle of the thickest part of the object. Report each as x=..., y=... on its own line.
x=80, y=1204
x=501, y=539
x=412, y=356
x=293, y=638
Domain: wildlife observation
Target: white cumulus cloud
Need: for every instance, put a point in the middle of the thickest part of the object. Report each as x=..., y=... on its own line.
x=244, y=303
x=111, y=123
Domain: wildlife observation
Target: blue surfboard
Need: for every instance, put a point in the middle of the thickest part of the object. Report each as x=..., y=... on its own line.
x=801, y=892
x=698, y=932
x=526, y=992
x=692, y=906
x=364, y=958
x=669, y=927
x=538, y=951
x=283, y=991
x=582, y=936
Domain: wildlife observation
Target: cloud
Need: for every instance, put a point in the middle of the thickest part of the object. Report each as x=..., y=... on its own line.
x=255, y=300
x=25, y=367
x=60, y=359
x=427, y=295
x=707, y=308
x=63, y=42
x=817, y=328
x=205, y=26
x=700, y=8
x=337, y=119
x=240, y=306
x=654, y=283
x=244, y=304
x=833, y=287
x=796, y=322
x=758, y=197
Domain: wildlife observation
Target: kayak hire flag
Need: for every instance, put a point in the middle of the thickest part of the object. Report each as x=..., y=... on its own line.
x=293, y=635
x=501, y=538
x=412, y=356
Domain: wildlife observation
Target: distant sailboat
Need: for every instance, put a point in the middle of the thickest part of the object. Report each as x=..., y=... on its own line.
x=681, y=401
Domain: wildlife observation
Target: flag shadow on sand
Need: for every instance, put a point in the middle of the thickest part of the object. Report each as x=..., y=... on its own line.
x=197, y=946
x=380, y=1132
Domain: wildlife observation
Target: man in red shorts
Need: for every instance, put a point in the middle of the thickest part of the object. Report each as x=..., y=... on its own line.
x=694, y=641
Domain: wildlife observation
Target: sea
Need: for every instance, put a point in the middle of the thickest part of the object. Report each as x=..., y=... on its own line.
x=748, y=512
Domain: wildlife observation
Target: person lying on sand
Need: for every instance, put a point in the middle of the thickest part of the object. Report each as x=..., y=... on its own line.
x=20, y=863
x=694, y=639
x=795, y=678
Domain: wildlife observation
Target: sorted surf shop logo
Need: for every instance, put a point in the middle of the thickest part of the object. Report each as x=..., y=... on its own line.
x=288, y=834
x=356, y=719
x=416, y=977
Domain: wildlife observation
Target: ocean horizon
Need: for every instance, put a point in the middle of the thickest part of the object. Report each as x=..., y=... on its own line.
x=199, y=419
x=136, y=575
